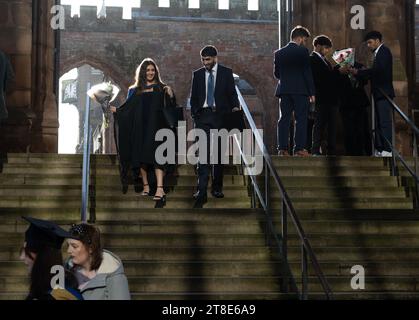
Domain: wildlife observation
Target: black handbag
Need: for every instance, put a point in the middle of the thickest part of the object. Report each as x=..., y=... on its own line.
x=172, y=115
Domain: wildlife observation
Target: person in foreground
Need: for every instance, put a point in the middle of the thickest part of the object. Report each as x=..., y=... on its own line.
x=100, y=273
x=41, y=252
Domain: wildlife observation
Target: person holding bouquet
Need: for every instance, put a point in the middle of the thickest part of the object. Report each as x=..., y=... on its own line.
x=138, y=121
x=381, y=76
x=327, y=100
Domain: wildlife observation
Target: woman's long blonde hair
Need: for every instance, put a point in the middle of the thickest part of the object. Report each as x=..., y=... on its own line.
x=141, y=75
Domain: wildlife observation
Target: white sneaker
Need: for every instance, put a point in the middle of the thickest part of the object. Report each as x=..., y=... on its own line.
x=377, y=153
x=386, y=154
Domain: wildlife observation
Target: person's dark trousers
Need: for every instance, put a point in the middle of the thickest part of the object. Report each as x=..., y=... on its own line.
x=326, y=118
x=300, y=105
x=206, y=121
x=384, y=125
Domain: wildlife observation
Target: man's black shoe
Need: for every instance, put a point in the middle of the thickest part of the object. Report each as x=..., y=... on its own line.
x=125, y=189
x=217, y=194
x=200, y=201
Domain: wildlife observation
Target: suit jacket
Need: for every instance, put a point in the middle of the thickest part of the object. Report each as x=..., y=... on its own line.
x=225, y=94
x=6, y=75
x=293, y=70
x=325, y=81
x=381, y=74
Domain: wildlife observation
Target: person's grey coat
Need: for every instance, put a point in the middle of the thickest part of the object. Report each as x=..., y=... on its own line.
x=6, y=76
x=110, y=282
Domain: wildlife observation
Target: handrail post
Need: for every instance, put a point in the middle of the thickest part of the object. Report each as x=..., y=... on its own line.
x=394, y=170
x=284, y=225
x=374, y=133
x=304, y=267
x=86, y=160
x=267, y=201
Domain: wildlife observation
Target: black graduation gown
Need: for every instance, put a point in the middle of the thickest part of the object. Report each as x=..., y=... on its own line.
x=137, y=122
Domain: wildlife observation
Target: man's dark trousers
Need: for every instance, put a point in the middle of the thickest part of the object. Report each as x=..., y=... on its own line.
x=384, y=125
x=326, y=117
x=300, y=105
x=206, y=121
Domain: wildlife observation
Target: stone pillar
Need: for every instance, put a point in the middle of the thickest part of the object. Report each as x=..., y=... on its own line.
x=44, y=137
x=16, y=42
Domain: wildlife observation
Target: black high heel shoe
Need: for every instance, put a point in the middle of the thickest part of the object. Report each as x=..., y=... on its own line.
x=160, y=201
x=145, y=193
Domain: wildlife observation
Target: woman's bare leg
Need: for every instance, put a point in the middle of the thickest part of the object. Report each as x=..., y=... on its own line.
x=160, y=179
x=145, y=180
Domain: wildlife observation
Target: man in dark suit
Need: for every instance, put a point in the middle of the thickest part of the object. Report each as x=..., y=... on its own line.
x=295, y=89
x=6, y=76
x=213, y=97
x=327, y=98
x=381, y=76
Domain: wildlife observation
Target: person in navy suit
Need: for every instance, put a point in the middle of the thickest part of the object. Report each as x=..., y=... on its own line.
x=295, y=89
x=381, y=76
x=213, y=97
x=327, y=99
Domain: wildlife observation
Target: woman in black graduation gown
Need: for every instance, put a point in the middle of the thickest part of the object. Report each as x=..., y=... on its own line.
x=138, y=120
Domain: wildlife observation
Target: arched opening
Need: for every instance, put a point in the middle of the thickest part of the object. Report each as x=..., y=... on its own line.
x=72, y=105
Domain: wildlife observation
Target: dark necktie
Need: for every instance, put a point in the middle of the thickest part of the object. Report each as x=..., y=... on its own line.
x=210, y=91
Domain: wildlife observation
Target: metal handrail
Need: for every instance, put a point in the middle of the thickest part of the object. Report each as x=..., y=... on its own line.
x=395, y=154
x=287, y=208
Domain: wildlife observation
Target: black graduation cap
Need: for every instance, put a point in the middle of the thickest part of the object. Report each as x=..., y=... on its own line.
x=43, y=233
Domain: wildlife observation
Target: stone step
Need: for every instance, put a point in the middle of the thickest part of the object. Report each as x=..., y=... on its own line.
x=70, y=215
x=175, y=284
x=239, y=268
x=11, y=169
x=230, y=191
x=229, y=215
x=289, y=182
x=191, y=284
x=372, y=284
x=75, y=179
x=165, y=268
x=355, y=203
x=133, y=252
x=139, y=204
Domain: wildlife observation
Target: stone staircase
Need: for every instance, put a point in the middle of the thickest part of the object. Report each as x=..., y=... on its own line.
x=353, y=211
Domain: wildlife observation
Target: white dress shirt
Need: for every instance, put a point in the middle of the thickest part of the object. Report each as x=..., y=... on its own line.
x=207, y=74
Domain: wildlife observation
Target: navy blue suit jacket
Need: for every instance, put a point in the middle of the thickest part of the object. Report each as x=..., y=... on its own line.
x=226, y=98
x=293, y=71
x=381, y=74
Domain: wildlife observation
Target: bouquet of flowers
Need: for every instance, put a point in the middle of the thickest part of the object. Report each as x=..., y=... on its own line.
x=345, y=57
x=104, y=94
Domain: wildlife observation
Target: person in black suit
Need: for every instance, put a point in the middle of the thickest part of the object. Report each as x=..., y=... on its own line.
x=381, y=76
x=295, y=89
x=213, y=97
x=327, y=98
x=354, y=108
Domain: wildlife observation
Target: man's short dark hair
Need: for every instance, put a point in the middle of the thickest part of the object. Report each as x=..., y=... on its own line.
x=373, y=35
x=322, y=41
x=300, y=31
x=209, y=51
